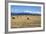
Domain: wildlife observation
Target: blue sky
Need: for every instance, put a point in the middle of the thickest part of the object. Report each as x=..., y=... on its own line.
x=25, y=9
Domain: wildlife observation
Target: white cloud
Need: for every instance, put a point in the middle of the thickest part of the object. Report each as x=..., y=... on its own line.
x=33, y=12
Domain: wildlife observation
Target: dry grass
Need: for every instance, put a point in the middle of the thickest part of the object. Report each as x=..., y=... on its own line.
x=25, y=21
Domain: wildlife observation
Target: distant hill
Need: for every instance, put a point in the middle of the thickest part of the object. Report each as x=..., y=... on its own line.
x=24, y=14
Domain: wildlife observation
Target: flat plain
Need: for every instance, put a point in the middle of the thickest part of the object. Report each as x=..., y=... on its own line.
x=25, y=21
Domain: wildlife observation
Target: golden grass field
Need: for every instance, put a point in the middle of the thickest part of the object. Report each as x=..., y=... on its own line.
x=25, y=21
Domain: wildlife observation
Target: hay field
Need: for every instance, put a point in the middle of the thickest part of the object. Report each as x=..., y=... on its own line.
x=25, y=21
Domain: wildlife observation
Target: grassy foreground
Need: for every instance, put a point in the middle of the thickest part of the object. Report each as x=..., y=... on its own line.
x=25, y=21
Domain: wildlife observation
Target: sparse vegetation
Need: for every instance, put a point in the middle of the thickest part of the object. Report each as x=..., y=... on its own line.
x=25, y=21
